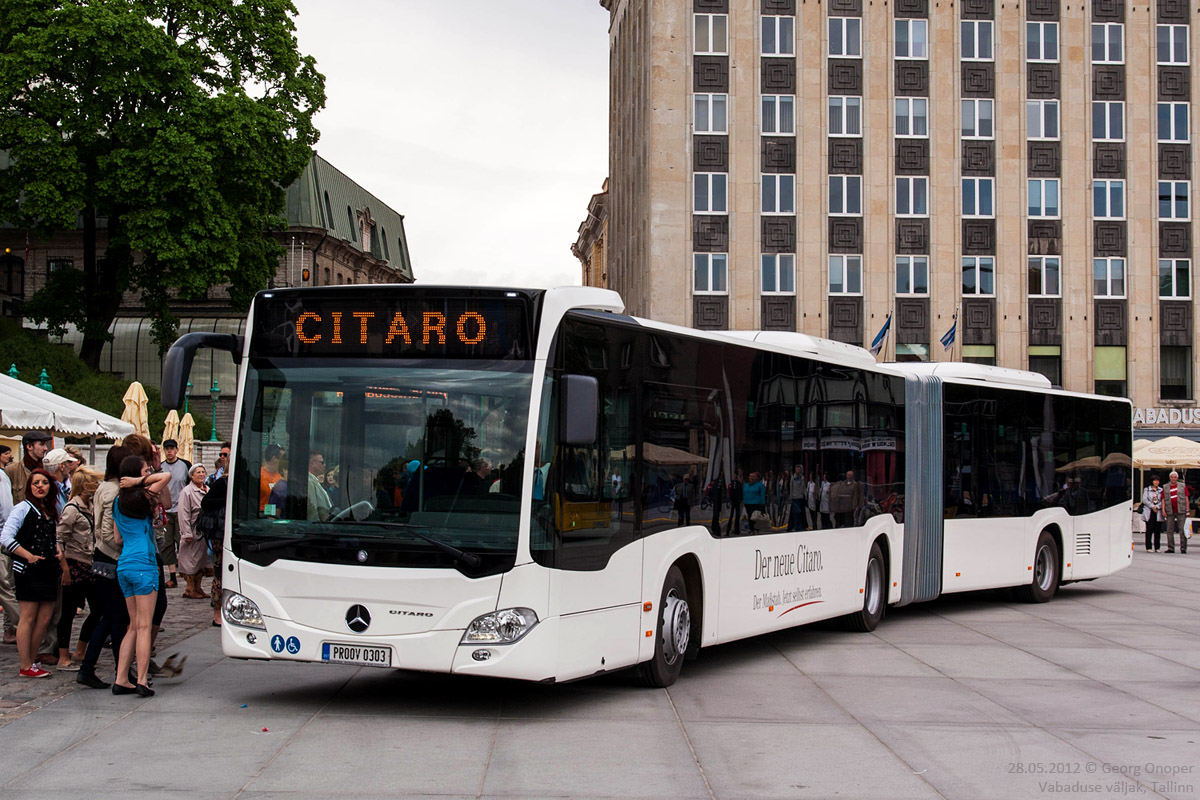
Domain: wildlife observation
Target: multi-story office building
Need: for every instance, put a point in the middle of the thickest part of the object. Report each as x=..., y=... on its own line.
x=1019, y=172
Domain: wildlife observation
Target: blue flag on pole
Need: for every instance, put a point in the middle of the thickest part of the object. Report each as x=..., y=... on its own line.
x=881, y=337
x=948, y=336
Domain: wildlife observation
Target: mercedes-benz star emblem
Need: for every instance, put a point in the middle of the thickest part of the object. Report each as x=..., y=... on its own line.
x=358, y=619
x=362, y=556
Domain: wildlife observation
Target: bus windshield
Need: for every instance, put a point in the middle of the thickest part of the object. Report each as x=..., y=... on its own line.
x=402, y=463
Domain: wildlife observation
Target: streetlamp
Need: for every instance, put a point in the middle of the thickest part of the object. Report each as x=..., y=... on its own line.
x=214, y=393
x=187, y=395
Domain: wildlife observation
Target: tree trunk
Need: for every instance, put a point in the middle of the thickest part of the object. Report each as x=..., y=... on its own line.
x=102, y=282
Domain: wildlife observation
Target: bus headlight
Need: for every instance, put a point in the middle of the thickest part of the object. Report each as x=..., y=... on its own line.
x=501, y=627
x=239, y=610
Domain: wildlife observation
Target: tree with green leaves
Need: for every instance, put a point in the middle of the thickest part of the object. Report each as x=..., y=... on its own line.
x=177, y=125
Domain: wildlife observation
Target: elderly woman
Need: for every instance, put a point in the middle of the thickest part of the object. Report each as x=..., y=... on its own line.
x=193, y=547
x=77, y=541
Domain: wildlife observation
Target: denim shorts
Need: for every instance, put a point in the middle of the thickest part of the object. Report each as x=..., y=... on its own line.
x=137, y=581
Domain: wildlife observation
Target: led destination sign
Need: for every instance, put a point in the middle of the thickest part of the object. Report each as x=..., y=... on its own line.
x=407, y=327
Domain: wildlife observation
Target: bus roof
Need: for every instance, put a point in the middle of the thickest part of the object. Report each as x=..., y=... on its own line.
x=957, y=370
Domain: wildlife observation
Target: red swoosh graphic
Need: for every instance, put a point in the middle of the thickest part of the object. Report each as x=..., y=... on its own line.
x=802, y=605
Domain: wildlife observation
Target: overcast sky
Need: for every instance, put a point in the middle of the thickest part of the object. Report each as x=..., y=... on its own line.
x=484, y=123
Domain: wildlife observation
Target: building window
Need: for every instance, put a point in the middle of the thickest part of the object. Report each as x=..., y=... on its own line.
x=1043, y=276
x=1173, y=200
x=912, y=38
x=779, y=194
x=1041, y=41
x=1173, y=122
x=978, y=275
x=329, y=216
x=845, y=116
x=1173, y=44
x=327, y=278
x=1108, y=199
x=59, y=264
x=711, y=116
x=779, y=36
x=1042, y=118
x=977, y=119
x=1108, y=121
x=979, y=354
x=911, y=352
x=1048, y=363
x=712, y=34
x=1043, y=197
x=778, y=273
x=384, y=241
x=1175, y=373
x=977, y=197
x=976, y=40
x=350, y=217
x=912, y=116
x=1108, y=43
x=845, y=274
x=1108, y=277
x=1174, y=278
x=779, y=114
x=710, y=193
x=1109, y=371
x=845, y=195
x=912, y=196
x=845, y=37
x=709, y=273
x=912, y=275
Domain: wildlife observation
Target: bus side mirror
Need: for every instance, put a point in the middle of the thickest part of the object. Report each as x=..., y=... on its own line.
x=177, y=365
x=578, y=410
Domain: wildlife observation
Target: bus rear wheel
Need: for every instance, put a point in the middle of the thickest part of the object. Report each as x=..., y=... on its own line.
x=1046, y=573
x=874, y=595
x=673, y=634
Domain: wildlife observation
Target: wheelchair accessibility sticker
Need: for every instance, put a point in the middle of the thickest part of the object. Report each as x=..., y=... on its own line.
x=293, y=645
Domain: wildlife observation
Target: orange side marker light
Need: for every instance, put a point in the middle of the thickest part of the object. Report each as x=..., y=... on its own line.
x=649, y=634
x=958, y=574
x=1029, y=568
x=647, y=607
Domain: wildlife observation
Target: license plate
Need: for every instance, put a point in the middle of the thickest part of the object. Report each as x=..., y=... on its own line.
x=362, y=655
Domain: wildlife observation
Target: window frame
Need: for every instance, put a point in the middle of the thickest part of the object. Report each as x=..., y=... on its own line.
x=709, y=105
x=709, y=179
x=778, y=266
x=778, y=103
x=1174, y=201
x=1108, y=279
x=976, y=268
x=911, y=117
x=711, y=49
x=910, y=23
x=1043, y=262
x=710, y=265
x=1175, y=262
x=1175, y=107
x=1109, y=185
x=978, y=181
x=1041, y=26
x=1108, y=27
x=846, y=260
x=1043, y=105
x=911, y=192
x=846, y=181
x=1172, y=44
x=776, y=21
x=910, y=266
x=1186, y=357
x=844, y=102
x=976, y=25
x=976, y=104
x=1108, y=104
x=1043, y=182
x=777, y=191
x=843, y=37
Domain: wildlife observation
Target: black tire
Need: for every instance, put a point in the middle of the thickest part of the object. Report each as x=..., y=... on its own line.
x=1047, y=572
x=874, y=595
x=674, y=619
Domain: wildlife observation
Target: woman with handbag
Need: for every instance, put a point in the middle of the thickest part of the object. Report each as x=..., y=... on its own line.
x=29, y=537
x=1152, y=513
x=77, y=541
x=114, y=619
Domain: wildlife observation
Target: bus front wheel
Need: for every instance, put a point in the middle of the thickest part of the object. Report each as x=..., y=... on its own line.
x=674, y=632
x=1045, y=572
x=874, y=595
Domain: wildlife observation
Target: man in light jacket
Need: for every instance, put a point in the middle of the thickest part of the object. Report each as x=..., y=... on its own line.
x=1175, y=508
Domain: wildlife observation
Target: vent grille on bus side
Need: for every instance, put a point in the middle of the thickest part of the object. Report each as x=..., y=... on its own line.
x=1083, y=544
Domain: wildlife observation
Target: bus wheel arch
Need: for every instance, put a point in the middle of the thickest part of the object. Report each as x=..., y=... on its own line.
x=1047, y=567
x=689, y=567
x=875, y=592
x=675, y=628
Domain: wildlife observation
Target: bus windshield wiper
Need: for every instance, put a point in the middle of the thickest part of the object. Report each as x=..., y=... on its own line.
x=275, y=544
x=470, y=559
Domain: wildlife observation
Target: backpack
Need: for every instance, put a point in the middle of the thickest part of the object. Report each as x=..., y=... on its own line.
x=210, y=522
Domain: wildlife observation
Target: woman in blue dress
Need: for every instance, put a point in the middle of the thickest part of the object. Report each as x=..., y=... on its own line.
x=142, y=490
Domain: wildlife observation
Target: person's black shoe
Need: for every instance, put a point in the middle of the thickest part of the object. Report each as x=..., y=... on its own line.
x=143, y=690
x=119, y=689
x=90, y=680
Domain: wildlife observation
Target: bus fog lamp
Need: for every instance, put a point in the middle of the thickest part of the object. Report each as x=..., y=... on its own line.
x=242, y=611
x=481, y=655
x=501, y=627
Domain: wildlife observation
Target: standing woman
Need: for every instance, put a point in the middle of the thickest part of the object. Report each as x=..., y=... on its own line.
x=77, y=541
x=29, y=537
x=1152, y=513
x=138, y=572
x=193, y=547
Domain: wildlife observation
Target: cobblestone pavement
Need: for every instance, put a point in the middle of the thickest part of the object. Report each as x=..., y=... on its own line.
x=21, y=696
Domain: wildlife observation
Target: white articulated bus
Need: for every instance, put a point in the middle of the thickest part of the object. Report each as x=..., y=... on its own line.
x=531, y=484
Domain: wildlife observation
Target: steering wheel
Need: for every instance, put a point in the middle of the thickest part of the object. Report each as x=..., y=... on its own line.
x=360, y=511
